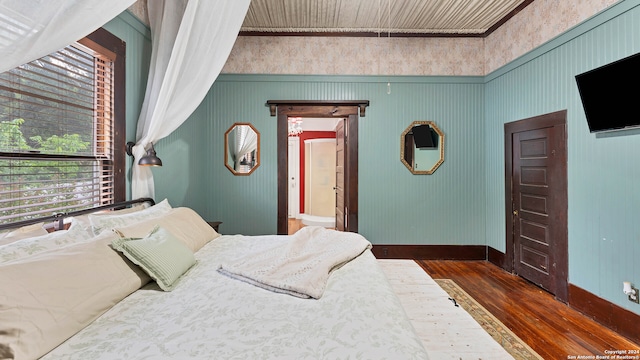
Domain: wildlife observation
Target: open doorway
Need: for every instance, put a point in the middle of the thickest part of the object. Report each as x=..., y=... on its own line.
x=312, y=172
x=346, y=179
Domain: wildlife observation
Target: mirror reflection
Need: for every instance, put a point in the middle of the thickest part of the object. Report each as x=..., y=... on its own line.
x=242, y=149
x=422, y=147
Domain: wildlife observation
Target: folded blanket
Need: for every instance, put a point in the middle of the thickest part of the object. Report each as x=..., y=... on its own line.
x=300, y=267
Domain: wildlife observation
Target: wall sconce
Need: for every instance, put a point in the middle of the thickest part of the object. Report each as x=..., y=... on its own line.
x=150, y=159
x=630, y=291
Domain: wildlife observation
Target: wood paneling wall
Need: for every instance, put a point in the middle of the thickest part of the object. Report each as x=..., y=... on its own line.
x=603, y=169
x=394, y=205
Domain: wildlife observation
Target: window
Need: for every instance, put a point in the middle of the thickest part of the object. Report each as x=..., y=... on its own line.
x=62, y=130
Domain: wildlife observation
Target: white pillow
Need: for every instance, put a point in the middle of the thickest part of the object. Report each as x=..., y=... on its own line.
x=83, y=220
x=38, y=244
x=184, y=223
x=128, y=210
x=51, y=296
x=102, y=222
x=22, y=233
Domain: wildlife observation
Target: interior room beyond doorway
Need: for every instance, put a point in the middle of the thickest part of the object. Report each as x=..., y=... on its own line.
x=311, y=172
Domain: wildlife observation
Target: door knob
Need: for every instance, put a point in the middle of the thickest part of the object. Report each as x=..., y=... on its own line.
x=515, y=212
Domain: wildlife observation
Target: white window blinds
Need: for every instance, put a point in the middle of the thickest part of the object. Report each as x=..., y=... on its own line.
x=56, y=134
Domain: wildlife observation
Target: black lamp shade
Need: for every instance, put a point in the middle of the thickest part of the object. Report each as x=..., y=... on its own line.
x=150, y=159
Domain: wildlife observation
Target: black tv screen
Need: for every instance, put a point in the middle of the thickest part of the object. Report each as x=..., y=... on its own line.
x=424, y=137
x=610, y=96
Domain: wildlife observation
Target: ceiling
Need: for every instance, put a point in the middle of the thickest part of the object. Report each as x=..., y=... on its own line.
x=466, y=18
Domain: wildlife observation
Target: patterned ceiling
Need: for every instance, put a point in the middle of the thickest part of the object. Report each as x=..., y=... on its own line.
x=379, y=17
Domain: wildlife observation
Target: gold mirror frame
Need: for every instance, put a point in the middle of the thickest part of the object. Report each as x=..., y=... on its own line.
x=251, y=151
x=406, y=139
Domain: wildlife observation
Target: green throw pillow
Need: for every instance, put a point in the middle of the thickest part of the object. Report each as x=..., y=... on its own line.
x=160, y=254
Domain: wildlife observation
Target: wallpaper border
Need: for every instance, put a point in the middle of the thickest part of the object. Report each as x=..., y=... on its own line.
x=572, y=33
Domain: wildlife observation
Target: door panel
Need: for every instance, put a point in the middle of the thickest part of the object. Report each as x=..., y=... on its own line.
x=340, y=185
x=536, y=201
x=294, y=178
x=533, y=254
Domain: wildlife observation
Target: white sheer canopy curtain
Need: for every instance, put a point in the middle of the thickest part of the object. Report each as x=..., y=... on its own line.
x=191, y=41
x=31, y=29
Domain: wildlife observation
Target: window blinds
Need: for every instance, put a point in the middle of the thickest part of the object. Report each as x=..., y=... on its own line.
x=56, y=134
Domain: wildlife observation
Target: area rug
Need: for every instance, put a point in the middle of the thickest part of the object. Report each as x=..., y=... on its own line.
x=505, y=337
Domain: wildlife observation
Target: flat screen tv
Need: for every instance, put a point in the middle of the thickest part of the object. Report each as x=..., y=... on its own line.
x=424, y=137
x=610, y=95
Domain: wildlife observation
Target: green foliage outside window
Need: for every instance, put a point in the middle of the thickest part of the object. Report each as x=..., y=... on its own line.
x=31, y=184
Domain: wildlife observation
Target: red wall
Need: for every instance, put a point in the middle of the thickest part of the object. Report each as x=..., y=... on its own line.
x=306, y=136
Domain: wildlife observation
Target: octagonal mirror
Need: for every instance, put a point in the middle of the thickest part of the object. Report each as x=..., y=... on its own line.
x=422, y=147
x=242, y=149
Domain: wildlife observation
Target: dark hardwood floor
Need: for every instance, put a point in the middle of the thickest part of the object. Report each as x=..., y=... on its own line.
x=294, y=225
x=550, y=327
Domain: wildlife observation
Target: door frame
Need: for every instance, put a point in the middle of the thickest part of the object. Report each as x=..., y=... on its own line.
x=558, y=120
x=295, y=196
x=351, y=110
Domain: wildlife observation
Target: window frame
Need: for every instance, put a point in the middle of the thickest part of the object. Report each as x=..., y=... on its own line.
x=104, y=41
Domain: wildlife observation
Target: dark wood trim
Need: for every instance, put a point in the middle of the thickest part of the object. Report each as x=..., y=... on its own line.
x=351, y=173
x=497, y=258
x=430, y=252
x=324, y=109
x=561, y=261
x=618, y=319
x=105, y=40
x=339, y=108
x=362, y=34
x=283, y=176
x=513, y=13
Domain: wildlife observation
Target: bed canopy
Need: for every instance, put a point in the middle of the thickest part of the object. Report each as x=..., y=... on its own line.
x=184, y=64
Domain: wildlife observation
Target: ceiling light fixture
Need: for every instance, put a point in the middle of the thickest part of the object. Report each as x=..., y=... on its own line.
x=389, y=41
x=388, y=37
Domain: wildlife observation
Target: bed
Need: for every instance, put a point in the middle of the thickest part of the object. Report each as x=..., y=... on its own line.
x=82, y=294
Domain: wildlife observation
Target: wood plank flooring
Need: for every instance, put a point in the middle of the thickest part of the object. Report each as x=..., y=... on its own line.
x=550, y=327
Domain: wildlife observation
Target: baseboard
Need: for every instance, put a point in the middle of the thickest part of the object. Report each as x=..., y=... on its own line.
x=499, y=259
x=616, y=318
x=430, y=252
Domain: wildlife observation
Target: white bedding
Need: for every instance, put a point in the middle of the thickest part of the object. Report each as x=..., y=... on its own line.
x=301, y=266
x=211, y=316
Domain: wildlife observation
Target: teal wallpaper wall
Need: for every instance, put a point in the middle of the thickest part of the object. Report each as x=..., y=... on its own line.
x=138, y=40
x=395, y=207
x=603, y=169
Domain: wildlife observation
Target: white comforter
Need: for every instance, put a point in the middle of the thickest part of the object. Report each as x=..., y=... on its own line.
x=211, y=316
x=301, y=266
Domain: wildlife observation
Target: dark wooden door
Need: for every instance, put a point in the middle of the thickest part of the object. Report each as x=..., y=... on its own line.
x=532, y=233
x=340, y=161
x=538, y=208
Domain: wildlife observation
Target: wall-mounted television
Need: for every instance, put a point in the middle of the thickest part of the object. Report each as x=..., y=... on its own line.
x=425, y=137
x=610, y=95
